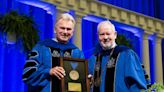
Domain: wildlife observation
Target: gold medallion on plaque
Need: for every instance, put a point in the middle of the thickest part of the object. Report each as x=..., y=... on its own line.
x=74, y=75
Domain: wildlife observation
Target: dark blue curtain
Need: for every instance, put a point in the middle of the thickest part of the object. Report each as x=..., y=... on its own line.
x=153, y=8
x=88, y=36
x=12, y=57
x=11, y=66
x=159, y=9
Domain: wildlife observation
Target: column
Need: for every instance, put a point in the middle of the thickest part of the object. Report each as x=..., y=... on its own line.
x=158, y=60
x=77, y=40
x=145, y=47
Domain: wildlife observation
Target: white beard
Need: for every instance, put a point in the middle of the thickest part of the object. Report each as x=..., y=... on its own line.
x=108, y=45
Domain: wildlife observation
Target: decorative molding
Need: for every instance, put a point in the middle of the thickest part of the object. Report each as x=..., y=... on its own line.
x=114, y=13
x=123, y=16
x=109, y=11
x=133, y=19
x=104, y=10
x=141, y=21
x=93, y=7
x=159, y=40
x=71, y=3
x=150, y=23
x=158, y=26
x=83, y=5
x=58, y=1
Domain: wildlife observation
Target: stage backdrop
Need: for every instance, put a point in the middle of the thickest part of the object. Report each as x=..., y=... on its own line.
x=153, y=8
x=12, y=59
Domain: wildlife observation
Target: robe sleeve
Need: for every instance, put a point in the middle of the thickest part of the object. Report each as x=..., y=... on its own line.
x=36, y=73
x=134, y=74
x=91, y=65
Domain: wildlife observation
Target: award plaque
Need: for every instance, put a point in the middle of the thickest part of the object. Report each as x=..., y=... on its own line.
x=76, y=79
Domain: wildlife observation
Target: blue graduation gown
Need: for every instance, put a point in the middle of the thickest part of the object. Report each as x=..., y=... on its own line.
x=38, y=64
x=129, y=74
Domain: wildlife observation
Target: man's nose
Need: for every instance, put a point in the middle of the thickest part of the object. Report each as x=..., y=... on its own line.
x=105, y=36
x=65, y=30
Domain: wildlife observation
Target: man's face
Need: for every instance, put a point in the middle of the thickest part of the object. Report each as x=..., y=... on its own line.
x=106, y=36
x=64, y=30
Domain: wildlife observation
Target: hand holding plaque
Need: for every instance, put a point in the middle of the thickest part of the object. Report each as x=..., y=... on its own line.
x=76, y=79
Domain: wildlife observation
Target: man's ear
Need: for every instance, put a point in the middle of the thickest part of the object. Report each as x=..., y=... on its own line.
x=55, y=29
x=115, y=35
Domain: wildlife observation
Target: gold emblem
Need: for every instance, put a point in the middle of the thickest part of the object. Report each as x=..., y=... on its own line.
x=74, y=75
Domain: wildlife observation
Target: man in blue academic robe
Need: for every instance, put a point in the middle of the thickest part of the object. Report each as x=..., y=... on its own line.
x=38, y=69
x=114, y=68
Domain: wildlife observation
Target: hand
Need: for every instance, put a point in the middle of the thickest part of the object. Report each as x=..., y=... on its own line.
x=90, y=77
x=57, y=71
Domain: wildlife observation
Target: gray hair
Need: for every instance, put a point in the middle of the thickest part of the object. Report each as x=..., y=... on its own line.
x=67, y=17
x=106, y=22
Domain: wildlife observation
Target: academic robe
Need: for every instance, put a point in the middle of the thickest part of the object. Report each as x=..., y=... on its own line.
x=38, y=64
x=128, y=74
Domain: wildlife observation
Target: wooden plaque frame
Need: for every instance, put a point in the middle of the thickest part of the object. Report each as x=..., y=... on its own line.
x=78, y=83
